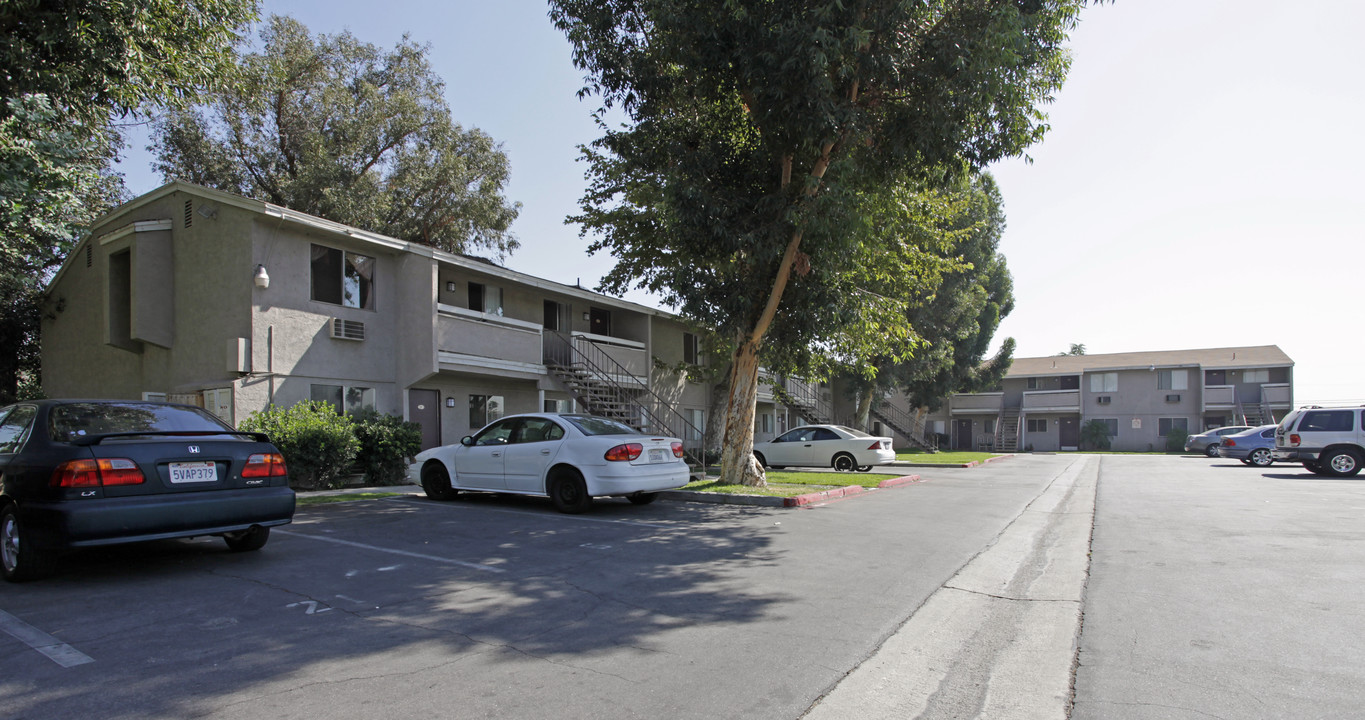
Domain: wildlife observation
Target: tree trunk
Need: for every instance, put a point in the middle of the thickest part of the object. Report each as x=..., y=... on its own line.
x=863, y=410
x=715, y=411
x=737, y=463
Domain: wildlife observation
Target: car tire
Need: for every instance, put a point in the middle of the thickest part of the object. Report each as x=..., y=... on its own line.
x=865, y=468
x=569, y=493
x=1341, y=463
x=642, y=498
x=436, y=482
x=843, y=462
x=19, y=560
x=1211, y=450
x=253, y=538
x=1260, y=457
x=761, y=460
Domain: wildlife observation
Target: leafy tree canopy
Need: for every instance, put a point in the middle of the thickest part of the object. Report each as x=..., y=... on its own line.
x=339, y=128
x=757, y=131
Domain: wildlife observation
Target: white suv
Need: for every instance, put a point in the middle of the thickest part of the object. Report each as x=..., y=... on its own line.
x=1328, y=441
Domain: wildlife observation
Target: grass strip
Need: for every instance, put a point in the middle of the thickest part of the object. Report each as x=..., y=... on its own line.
x=343, y=497
x=960, y=457
x=789, y=484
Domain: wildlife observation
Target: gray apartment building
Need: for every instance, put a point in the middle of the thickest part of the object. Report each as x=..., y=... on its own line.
x=199, y=296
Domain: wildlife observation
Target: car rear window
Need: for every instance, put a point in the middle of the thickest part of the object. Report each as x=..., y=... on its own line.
x=599, y=426
x=854, y=432
x=74, y=420
x=1327, y=421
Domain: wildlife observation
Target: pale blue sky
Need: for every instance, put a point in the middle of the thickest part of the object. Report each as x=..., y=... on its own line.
x=1200, y=186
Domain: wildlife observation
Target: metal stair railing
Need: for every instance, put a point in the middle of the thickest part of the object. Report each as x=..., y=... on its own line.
x=566, y=358
x=903, y=423
x=805, y=400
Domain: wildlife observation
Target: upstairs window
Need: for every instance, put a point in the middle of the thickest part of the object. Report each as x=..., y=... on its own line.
x=1104, y=382
x=485, y=298
x=1256, y=376
x=1172, y=380
x=691, y=349
x=343, y=278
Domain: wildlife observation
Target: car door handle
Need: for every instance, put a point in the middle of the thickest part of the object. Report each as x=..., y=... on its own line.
x=807, y=445
x=544, y=452
x=497, y=454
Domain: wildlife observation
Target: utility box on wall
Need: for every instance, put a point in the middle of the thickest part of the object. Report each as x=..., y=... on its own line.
x=238, y=355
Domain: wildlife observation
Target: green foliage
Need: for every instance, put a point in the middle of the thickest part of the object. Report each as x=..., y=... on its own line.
x=318, y=444
x=1175, y=439
x=339, y=128
x=1095, y=436
x=387, y=445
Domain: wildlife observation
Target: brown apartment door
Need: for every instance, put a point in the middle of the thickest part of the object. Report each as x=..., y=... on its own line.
x=424, y=408
x=963, y=439
x=1069, y=432
x=599, y=322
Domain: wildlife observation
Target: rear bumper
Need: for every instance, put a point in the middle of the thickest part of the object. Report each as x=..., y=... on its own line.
x=109, y=521
x=609, y=480
x=1295, y=455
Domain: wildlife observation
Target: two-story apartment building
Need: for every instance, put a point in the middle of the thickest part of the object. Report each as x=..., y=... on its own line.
x=200, y=296
x=1141, y=396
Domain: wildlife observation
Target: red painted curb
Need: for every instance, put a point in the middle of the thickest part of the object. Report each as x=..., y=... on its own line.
x=903, y=480
x=799, y=500
x=996, y=458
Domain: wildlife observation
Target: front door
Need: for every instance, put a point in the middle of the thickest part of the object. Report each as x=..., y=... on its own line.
x=424, y=408
x=962, y=438
x=599, y=322
x=1215, y=377
x=1069, y=433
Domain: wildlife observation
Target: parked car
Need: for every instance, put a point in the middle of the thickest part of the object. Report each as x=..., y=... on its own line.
x=1328, y=441
x=1207, y=441
x=79, y=473
x=836, y=446
x=570, y=458
x=1252, y=447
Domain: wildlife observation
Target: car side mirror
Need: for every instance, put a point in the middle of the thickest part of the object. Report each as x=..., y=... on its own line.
x=467, y=441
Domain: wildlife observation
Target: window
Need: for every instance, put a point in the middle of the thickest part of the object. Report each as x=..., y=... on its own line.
x=498, y=433
x=556, y=316
x=345, y=398
x=763, y=423
x=1256, y=376
x=696, y=427
x=691, y=349
x=14, y=429
x=1164, y=426
x=538, y=430
x=556, y=406
x=1172, y=380
x=1032, y=384
x=485, y=298
x=343, y=278
x=1036, y=425
x=1327, y=421
x=988, y=426
x=484, y=409
x=1104, y=382
x=1111, y=426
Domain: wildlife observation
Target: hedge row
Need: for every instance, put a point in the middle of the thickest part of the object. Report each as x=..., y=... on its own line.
x=321, y=447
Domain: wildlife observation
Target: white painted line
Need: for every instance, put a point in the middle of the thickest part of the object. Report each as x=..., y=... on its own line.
x=55, y=650
x=405, y=553
x=561, y=516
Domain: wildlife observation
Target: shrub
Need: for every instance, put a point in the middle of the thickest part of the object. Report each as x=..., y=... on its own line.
x=1175, y=439
x=318, y=444
x=387, y=445
x=1095, y=435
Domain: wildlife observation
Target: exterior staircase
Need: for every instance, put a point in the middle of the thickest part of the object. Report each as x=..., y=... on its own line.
x=804, y=400
x=907, y=425
x=1007, y=430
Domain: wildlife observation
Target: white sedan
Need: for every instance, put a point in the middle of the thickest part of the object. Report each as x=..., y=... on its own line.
x=570, y=458
x=836, y=446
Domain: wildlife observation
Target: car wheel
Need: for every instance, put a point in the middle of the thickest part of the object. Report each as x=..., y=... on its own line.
x=1260, y=457
x=1211, y=450
x=569, y=493
x=19, y=560
x=865, y=468
x=642, y=498
x=843, y=462
x=436, y=482
x=253, y=538
x=761, y=460
x=1341, y=463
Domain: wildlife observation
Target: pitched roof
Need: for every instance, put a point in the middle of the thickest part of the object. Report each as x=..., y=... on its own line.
x=1259, y=356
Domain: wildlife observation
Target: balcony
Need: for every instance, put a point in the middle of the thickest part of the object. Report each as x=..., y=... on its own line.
x=977, y=403
x=1039, y=401
x=622, y=360
x=1276, y=395
x=1220, y=397
x=485, y=344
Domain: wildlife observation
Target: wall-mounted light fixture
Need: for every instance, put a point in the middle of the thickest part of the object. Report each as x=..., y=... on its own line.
x=262, y=277
x=450, y=402
x=450, y=286
x=585, y=316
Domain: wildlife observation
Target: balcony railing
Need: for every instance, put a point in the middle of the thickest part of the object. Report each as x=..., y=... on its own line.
x=1277, y=394
x=1220, y=396
x=1057, y=400
x=977, y=402
x=467, y=332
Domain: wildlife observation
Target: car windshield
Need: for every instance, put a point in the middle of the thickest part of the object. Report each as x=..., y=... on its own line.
x=853, y=432
x=589, y=425
x=74, y=420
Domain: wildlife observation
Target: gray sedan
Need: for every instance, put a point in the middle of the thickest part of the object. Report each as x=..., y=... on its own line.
x=1207, y=442
x=1252, y=447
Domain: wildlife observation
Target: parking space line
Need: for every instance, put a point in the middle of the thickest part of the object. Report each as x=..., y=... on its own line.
x=55, y=650
x=391, y=551
x=560, y=516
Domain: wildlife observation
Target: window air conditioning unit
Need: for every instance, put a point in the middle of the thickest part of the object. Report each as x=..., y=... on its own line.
x=1172, y=398
x=348, y=329
x=1103, y=399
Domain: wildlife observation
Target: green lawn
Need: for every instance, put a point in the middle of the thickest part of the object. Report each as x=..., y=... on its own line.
x=343, y=497
x=943, y=458
x=782, y=483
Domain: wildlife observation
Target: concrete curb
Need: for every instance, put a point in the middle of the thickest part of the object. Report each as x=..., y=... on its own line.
x=972, y=464
x=788, y=502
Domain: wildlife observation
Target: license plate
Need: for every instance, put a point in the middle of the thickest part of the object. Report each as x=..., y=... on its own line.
x=656, y=455
x=194, y=472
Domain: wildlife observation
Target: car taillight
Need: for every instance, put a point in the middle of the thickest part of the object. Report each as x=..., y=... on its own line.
x=264, y=465
x=1229, y=443
x=104, y=472
x=677, y=449
x=1294, y=439
x=624, y=453
x=875, y=446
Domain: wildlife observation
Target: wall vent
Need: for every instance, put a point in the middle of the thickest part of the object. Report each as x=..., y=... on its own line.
x=189, y=213
x=89, y=254
x=348, y=329
x=1103, y=399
